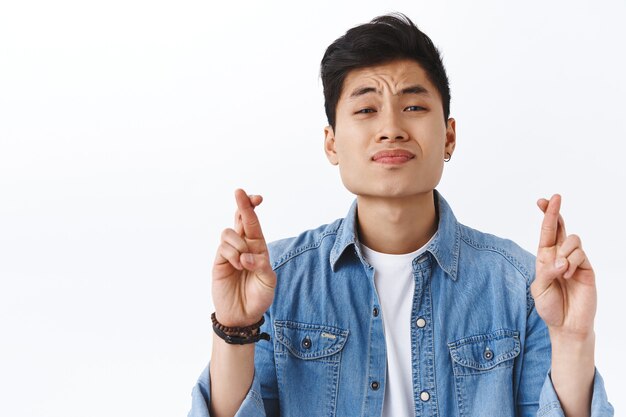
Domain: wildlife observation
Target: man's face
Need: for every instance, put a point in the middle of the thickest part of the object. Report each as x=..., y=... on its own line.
x=390, y=137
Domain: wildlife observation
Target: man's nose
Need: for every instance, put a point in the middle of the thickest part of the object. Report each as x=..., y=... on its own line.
x=391, y=129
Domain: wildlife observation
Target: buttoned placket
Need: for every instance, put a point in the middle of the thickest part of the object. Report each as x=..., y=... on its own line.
x=377, y=358
x=422, y=340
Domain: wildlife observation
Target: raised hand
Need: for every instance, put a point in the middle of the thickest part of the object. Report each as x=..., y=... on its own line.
x=564, y=289
x=243, y=280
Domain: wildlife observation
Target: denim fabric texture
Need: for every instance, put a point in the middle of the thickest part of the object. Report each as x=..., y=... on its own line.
x=483, y=351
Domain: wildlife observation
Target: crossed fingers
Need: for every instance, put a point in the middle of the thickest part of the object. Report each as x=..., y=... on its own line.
x=246, y=238
x=246, y=221
x=564, y=252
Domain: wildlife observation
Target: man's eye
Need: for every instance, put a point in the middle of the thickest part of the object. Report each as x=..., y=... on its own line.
x=415, y=108
x=363, y=111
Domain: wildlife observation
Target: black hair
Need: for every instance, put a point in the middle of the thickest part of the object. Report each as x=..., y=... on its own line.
x=386, y=38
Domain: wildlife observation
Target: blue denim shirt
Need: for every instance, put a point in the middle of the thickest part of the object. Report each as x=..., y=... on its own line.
x=484, y=350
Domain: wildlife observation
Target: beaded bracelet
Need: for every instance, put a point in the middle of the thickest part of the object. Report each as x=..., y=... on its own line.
x=239, y=335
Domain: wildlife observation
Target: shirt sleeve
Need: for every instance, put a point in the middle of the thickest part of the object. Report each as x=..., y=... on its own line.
x=262, y=398
x=200, y=398
x=549, y=405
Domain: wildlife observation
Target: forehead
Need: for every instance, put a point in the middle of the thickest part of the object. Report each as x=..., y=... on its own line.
x=390, y=77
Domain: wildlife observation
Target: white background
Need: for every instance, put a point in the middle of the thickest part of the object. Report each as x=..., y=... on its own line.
x=126, y=125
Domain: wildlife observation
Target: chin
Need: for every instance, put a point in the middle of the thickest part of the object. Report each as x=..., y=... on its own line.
x=391, y=191
x=382, y=186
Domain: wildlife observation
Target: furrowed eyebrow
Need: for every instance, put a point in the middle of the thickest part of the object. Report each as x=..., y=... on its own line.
x=414, y=89
x=363, y=90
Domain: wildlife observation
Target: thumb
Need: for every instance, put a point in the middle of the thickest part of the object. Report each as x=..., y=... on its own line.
x=548, y=272
x=259, y=265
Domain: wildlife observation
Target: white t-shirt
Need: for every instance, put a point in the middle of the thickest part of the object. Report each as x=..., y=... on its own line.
x=393, y=278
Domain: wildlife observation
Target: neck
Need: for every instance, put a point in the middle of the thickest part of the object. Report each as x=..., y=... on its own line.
x=396, y=225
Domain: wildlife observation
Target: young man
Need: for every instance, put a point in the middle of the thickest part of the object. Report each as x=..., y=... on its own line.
x=398, y=309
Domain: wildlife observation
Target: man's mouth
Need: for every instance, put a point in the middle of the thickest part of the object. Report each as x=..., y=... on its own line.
x=393, y=156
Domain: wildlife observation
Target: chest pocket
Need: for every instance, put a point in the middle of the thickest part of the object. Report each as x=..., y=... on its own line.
x=310, y=341
x=480, y=353
x=308, y=362
x=483, y=370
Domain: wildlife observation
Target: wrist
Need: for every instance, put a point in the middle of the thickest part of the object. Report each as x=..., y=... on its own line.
x=227, y=321
x=239, y=335
x=573, y=354
x=575, y=340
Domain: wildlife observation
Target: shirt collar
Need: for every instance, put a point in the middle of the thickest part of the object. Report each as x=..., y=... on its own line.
x=444, y=246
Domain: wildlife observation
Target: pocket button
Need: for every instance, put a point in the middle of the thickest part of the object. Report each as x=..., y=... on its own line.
x=306, y=343
x=488, y=354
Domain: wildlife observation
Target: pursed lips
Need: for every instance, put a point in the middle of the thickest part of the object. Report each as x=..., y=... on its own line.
x=393, y=156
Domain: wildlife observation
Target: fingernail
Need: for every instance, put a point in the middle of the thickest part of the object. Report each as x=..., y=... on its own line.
x=560, y=263
x=249, y=258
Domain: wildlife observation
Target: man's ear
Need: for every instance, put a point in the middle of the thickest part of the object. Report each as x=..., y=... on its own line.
x=450, y=136
x=329, y=145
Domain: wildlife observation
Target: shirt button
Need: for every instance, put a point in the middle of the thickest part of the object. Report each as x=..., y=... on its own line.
x=375, y=312
x=375, y=385
x=424, y=396
x=420, y=322
x=488, y=354
x=306, y=343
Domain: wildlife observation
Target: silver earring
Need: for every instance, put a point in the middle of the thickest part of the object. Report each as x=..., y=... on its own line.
x=449, y=157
